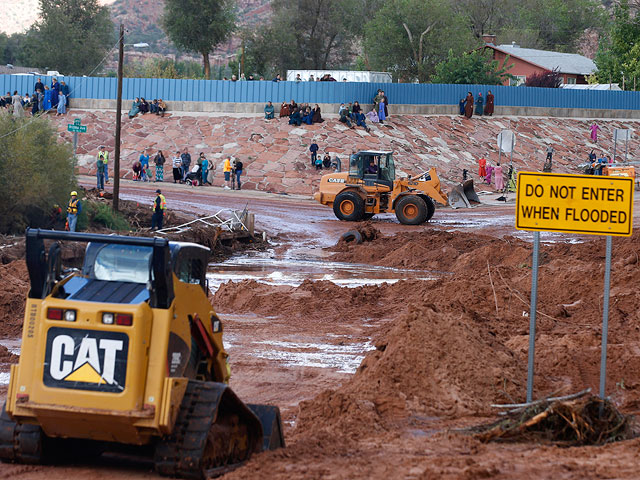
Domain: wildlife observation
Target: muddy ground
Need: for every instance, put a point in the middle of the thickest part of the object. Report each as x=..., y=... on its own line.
x=380, y=380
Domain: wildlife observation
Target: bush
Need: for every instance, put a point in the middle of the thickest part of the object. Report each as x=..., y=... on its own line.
x=36, y=172
x=98, y=214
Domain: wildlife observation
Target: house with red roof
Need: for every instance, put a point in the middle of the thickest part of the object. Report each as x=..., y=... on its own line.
x=573, y=68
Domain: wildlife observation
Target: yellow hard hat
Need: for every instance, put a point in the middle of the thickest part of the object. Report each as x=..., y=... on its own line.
x=74, y=194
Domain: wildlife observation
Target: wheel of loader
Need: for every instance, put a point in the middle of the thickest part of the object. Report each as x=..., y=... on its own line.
x=348, y=206
x=411, y=210
x=20, y=442
x=431, y=207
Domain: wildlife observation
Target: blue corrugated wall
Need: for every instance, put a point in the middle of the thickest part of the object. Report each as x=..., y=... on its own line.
x=325, y=92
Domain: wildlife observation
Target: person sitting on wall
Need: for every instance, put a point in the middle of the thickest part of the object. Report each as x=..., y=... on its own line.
x=135, y=108
x=326, y=161
x=355, y=109
x=292, y=105
x=269, y=111
x=361, y=121
x=344, y=115
x=317, y=115
x=162, y=107
x=284, y=110
x=307, y=116
x=144, y=106
x=153, y=106
x=296, y=117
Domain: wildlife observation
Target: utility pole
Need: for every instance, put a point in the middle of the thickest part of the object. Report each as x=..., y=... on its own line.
x=116, y=160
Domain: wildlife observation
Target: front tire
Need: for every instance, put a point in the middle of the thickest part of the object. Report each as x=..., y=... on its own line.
x=411, y=210
x=431, y=207
x=348, y=206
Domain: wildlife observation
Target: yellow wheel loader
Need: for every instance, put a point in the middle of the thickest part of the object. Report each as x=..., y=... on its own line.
x=127, y=354
x=370, y=186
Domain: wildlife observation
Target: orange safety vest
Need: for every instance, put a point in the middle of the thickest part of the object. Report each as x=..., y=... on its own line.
x=73, y=207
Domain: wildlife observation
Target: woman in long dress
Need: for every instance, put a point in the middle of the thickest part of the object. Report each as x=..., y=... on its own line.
x=48, y=99
x=62, y=104
x=135, y=108
x=499, y=178
x=16, y=101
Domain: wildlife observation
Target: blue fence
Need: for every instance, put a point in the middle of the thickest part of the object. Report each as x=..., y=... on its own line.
x=325, y=92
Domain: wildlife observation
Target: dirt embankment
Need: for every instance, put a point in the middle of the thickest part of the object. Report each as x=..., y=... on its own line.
x=454, y=346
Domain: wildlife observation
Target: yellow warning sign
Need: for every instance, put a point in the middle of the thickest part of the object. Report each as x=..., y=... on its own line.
x=595, y=205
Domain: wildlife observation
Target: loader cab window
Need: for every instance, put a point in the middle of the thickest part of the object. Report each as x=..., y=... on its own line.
x=123, y=263
x=386, y=169
x=356, y=166
x=191, y=270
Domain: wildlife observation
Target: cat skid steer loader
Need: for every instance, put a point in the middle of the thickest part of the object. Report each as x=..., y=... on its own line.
x=127, y=354
x=370, y=187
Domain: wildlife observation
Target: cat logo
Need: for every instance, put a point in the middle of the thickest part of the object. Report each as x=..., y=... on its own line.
x=335, y=180
x=86, y=359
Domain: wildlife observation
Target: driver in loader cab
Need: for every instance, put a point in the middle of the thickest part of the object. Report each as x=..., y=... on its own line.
x=372, y=167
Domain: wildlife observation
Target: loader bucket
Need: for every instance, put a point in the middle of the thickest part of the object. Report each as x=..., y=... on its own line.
x=462, y=195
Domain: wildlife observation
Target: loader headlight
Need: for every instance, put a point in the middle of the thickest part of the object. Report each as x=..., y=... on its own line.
x=70, y=315
x=107, y=318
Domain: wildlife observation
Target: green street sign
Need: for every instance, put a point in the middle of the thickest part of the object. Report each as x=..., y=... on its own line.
x=77, y=122
x=76, y=128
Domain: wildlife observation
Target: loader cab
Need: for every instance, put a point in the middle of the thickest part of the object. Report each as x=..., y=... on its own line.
x=374, y=168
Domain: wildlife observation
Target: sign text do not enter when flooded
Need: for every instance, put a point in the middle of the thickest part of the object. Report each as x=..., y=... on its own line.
x=596, y=205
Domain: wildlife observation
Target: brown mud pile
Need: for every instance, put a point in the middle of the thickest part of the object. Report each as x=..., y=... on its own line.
x=6, y=356
x=14, y=286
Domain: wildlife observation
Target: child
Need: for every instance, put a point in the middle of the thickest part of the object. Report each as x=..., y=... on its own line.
x=318, y=163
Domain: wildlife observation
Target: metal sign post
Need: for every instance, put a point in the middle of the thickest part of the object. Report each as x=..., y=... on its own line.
x=582, y=204
x=605, y=319
x=532, y=315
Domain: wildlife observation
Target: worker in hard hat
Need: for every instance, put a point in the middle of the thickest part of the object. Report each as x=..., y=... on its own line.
x=73, y=210
x=159, y=209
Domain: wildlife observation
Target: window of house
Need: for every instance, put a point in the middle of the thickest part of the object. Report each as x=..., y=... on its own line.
x=518, y=80
x=571, y=80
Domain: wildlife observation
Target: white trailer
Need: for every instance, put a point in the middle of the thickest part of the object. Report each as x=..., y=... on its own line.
x=341, y=75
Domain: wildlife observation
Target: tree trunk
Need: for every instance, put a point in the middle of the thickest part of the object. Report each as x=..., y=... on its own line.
x=207, y=65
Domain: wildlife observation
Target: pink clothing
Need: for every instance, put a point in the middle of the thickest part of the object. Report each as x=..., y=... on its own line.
x=594, y=132
x=489, y=172
x=497, y=171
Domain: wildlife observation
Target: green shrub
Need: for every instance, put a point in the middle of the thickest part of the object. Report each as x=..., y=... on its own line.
x=36, y=172
x=103, y=214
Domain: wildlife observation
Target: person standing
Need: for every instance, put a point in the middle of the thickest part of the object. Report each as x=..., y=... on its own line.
x=382, y=115
x=226, y=169
x=55, y=88
x=499, y=178
x=16, y=101
x=100, y=173
x=102, y=153
x=159, y=208
x=488, y=109
x=186, y=163
x=144, y=164
x=480, y=104
x=73, y=210
x=159, y=160
x=482, y=167
x=204, y=169
x=461, y=105
x=468, y=107
x=177, y=164
x=64, y=88
x=594, y=132
x=62, y=104
x=237, y=168
x=39, y=85
x=314, y=152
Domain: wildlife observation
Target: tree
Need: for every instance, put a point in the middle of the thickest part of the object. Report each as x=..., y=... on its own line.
x=198, y=25
x=619, y=46
x=546, y=79
x=410, y=37
x=46, y=172
x=486, y=16
x=306, y=34
x=476, y=67
x=72, y=36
